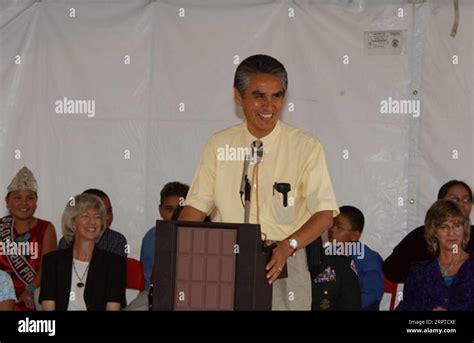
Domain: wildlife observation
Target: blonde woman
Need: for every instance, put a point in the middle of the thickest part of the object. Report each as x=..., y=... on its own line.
x=445, y=282
x=83, y=277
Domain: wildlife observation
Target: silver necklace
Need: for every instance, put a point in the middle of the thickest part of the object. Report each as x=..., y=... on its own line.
x=445, y=270
x=80, y=284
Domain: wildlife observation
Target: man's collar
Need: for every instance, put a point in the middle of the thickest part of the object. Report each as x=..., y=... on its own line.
x=268, y=139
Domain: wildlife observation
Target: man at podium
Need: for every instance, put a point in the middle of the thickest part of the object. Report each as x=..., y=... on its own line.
x=285, y=177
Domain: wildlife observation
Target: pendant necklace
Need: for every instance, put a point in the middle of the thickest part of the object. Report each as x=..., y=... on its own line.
x=80, y=284
x=445, y=270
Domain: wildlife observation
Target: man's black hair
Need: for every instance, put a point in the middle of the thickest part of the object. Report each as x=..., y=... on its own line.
x=174, y=189
x=355, y=217
x=259, y=64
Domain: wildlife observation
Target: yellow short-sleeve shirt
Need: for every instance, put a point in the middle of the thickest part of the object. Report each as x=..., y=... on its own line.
x=290, y=156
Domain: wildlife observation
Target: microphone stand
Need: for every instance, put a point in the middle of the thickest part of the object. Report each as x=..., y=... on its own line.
x=245, y=187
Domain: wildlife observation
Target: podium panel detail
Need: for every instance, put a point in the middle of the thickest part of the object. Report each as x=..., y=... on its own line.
x=210, y=266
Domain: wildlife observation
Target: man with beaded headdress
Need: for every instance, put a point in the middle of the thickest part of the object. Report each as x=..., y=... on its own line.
x=24, y=239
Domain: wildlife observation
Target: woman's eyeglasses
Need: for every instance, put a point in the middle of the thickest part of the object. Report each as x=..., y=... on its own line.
x=456, y=227
x=465, y=200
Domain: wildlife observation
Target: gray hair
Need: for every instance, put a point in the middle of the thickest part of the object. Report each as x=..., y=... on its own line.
x=74, y=208
x=259, y=64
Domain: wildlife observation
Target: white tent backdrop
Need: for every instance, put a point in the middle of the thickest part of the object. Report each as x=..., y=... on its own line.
x=160, y=73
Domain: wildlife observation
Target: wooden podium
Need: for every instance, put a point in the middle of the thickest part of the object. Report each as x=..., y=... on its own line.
x=210, y=266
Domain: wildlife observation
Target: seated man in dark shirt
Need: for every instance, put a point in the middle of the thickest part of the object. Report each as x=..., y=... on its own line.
x=110, y=240
x=334, y=282
x=413, y=248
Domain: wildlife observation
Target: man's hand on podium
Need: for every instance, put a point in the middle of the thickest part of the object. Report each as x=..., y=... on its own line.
x=279, y=256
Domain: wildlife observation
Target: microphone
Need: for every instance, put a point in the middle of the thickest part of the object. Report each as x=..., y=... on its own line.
x=256, y=155
x=257, y=151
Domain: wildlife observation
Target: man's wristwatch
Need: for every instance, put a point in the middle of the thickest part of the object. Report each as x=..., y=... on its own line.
x=293, y=245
